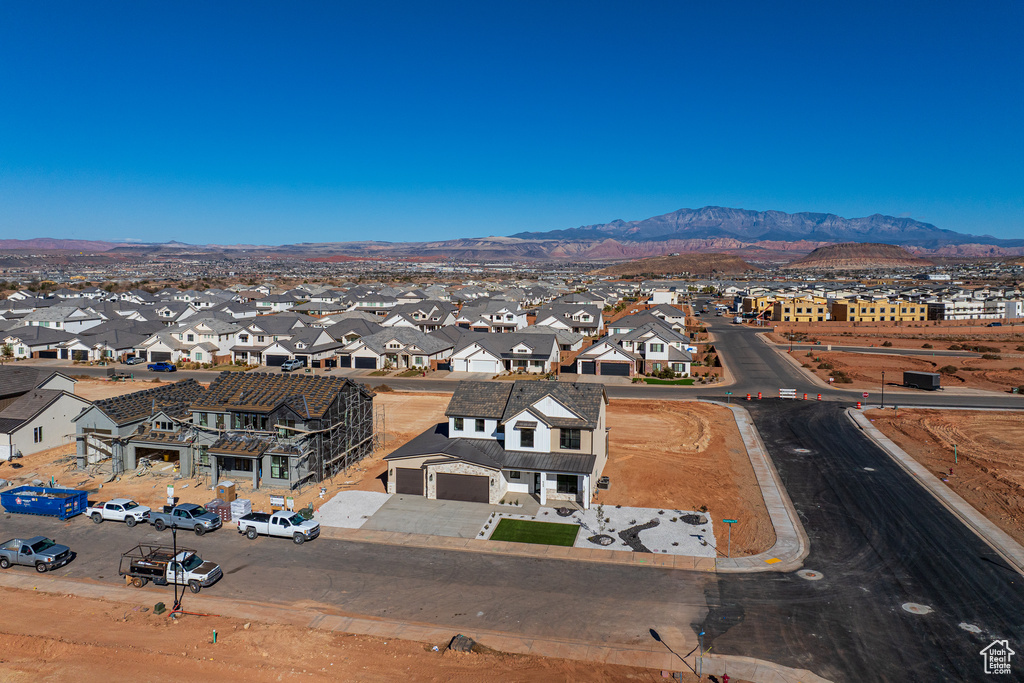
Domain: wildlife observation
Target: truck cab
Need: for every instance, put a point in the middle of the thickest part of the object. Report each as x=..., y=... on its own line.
x=186, y=516
x=160, y=564
x=283, y=524
x=40, y=552
x=118, y=510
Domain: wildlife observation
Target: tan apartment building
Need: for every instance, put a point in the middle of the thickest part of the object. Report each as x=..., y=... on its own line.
x=805, y=309
x=878, y=310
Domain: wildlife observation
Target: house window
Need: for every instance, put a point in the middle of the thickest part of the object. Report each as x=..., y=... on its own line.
x=220, y=421
x=657, y=348
x=459, y=424
x=37, y=435
x=569, y=440
x=199, y=355
x=204, y=456
x=278, y=467
x=514, y=475
x=566, y=483
x=244, y=338
x=479, y=426
x=259, y=338
x=204, y=419
x=191, y=337
x=526, y=438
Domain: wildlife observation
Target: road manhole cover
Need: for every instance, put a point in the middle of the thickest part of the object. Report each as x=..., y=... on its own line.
x=869, y=469
x=915, y=608
x=810, y=575
x=970, y=628
x=801, y=450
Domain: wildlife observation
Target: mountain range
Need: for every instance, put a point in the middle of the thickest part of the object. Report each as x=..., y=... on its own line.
x=753, y=235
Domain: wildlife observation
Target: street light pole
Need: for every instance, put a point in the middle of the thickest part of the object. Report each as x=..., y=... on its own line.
x=883, y=389
x=174, y=569
x=700, y=659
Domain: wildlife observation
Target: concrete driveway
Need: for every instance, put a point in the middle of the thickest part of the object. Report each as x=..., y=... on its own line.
x=418, y=515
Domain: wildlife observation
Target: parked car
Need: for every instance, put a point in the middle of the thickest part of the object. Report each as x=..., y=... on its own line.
x=291, y=364
x=159, y=564
x=118, y=510
x=995, y=324
x=134, y=360
x=39, y=551
x=185, y=516
x=162, y=366
x=283, y=524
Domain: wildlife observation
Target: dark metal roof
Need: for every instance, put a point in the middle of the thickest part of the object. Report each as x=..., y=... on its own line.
x=173, y=399
x=490, y=453
x=309, y=395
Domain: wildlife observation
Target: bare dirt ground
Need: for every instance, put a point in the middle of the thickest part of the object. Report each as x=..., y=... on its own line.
x=101, y=641
x=686, y=455
x=98, y=389
x=996, y=374
x=990, y=450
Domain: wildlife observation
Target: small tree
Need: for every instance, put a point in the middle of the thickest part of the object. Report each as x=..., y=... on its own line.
x=7, y=352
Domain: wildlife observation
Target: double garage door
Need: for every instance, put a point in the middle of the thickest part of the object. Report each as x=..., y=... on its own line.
x=467, y=487
x=619, y=369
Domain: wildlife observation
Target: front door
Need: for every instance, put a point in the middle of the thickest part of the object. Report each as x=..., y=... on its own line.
x=536, y=482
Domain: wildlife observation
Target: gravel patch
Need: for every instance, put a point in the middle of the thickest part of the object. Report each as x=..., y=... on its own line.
x=666, y=531
x=351, y=509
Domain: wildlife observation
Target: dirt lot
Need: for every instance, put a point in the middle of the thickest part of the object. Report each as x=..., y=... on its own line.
x=866, y=369
x=990, y=450
x=686, y=455
x=100, y=641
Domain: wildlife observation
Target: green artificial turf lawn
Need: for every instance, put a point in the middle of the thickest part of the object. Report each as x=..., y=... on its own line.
x=544, y=533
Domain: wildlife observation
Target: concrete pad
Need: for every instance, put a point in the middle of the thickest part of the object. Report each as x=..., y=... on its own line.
x=418, y=515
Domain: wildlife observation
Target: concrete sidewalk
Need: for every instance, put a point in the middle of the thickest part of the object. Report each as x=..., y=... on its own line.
x=651, y=655
x=1001, y=542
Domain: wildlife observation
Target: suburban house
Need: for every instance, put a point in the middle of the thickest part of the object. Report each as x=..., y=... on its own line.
x=396, y=347
x=586, y=319
x=492, y=315
x=68, y=318
x=512, y=352
x=607, y=357
x=507, y=440
x=36, y=407
x=34, y=341
x=425, y=316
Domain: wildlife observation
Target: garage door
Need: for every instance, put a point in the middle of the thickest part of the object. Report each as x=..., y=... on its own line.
x=159, y=356
x=481, y=366
x=365, y=363
x=620, y=369
x=467, y=487
x=344, y=361
x=587, y=367
x=53, y=354
x=408, y=480
x=276, y=361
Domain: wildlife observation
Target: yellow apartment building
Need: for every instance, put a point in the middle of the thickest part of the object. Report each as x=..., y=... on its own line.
x=878, y=310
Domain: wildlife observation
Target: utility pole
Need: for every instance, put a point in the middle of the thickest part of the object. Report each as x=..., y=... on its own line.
x=883, y=390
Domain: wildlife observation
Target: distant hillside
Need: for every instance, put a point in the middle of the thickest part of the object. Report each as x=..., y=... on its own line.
x=695, y=264
x=716, y=222
x=855, y=256
x=49, y=244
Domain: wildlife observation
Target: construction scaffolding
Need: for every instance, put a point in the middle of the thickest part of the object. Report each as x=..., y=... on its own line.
x=351, y=434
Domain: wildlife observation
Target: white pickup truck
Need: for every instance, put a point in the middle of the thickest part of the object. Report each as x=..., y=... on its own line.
x=284, y=524
x=118, y=510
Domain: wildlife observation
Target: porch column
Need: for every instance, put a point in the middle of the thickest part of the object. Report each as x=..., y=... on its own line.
x=583, y=486
x=543, y=488
x=256, y=464
x=214, y=470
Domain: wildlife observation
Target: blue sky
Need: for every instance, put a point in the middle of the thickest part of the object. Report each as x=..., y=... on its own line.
x=275, y=122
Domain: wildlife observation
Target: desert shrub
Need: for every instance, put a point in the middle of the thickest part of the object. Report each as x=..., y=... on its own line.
x=382, y=389
x=927, y=346
x=948, y=369
x=1016, y=368
x=955, y=347
x=840, y=377
x=825, y=366
x=887, y=343
x=991, y=356
x=1020, y=348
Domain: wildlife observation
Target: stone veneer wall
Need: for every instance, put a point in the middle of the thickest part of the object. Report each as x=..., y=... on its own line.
x=496, y=489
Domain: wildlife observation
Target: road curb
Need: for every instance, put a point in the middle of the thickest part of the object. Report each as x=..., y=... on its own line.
x=791, y=542
x=1004, y=545
x=651, y=655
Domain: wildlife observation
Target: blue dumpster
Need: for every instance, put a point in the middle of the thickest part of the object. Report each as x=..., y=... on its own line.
x=38, y=500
